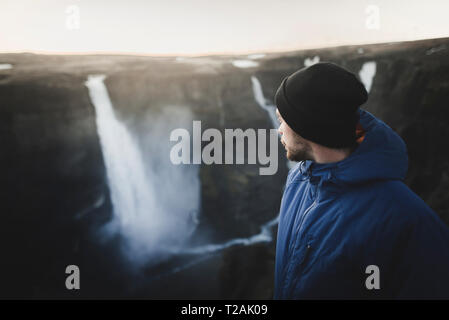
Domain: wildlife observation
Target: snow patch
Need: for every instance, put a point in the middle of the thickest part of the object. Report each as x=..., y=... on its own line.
x=5, y=66
x=311, y=61
x=245, y=63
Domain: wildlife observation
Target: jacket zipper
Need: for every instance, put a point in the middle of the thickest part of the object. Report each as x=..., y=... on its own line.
x=304, y=216
x=301, y=221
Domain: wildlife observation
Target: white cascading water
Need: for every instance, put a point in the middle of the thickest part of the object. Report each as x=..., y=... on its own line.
x=150, y=226
x=263, y=103
x=367, y=73
x=139, y=214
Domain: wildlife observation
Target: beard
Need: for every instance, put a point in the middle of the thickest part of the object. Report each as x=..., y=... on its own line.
x=299, y=153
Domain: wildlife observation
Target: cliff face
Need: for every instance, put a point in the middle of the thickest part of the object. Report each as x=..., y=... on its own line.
x=55, y=193
x=53, y=173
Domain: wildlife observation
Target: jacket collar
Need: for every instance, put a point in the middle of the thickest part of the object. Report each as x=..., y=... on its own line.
x=380, y=155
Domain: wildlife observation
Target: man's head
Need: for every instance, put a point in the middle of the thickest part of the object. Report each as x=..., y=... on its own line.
x=317, y=108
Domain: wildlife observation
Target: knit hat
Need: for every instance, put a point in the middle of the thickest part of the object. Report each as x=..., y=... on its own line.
x=320, y=103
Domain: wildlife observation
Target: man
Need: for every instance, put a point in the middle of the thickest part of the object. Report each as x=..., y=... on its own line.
x=349, y=227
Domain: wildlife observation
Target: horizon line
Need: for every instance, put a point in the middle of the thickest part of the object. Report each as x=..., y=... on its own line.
x=210, y=53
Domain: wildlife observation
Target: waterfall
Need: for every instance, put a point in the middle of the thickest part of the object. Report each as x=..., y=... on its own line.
x=137, y=194
x=156, y=221
x=367, y=73
x=268, y=107
x=131, y=195
x=263, y=103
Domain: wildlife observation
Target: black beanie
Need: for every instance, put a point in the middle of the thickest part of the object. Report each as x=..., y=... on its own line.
x=320, y=103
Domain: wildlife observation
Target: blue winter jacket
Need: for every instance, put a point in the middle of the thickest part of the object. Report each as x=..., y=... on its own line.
x=340, y=221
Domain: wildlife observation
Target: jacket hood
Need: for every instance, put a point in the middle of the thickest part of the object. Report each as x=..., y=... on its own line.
x=381, y=155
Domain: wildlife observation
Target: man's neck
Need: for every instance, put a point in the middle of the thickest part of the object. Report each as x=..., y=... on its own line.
x=328, y=155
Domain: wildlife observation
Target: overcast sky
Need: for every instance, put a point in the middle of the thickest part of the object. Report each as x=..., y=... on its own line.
x=213, y=26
